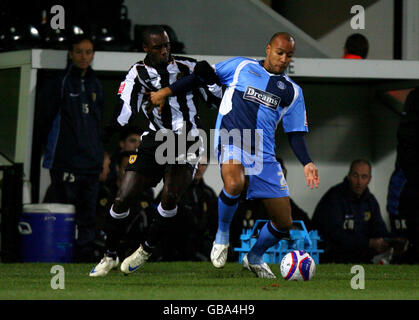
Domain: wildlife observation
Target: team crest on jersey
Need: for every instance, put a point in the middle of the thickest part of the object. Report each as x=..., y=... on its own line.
x=262, y=97
x=103, y=202
x=132, y=159
x=280, y=85
x=94, y=96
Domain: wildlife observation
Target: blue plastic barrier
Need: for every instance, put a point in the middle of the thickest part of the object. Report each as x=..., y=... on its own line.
x=300, y=240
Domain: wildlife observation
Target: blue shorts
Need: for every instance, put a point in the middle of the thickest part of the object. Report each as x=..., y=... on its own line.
x=252, y=163
x=270, y=183
x=266, y=179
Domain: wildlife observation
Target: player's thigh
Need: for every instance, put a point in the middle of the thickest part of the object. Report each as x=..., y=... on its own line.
x=232, y=173
x=133, y=184
x=177, y=179
x=279, y=211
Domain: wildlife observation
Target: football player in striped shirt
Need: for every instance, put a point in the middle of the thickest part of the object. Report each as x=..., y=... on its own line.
x=147, y=167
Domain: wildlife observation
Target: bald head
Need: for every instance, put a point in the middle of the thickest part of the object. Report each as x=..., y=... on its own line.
x=359, y=176
x=283, y=35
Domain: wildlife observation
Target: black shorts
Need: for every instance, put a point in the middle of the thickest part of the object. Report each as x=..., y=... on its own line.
x=155, y=157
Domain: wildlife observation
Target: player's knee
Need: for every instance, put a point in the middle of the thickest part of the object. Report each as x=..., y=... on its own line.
x=233, y=187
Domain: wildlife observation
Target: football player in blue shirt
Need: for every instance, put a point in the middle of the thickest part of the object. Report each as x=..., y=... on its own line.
x=258, y=96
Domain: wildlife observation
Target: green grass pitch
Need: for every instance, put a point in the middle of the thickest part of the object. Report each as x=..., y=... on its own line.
x=200, y=281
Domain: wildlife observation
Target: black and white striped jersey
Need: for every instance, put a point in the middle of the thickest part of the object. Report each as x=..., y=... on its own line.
x=183, y=108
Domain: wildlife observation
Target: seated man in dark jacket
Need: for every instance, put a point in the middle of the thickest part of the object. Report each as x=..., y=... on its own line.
x=349, y=221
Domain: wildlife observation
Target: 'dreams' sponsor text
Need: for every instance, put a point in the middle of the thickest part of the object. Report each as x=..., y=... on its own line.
x=261, y=97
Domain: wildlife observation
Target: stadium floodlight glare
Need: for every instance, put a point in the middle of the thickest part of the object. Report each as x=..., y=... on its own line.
x=33, y=31
x=76, y=30
x=105, y=36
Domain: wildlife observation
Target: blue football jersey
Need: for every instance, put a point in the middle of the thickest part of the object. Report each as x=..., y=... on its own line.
x=256, y=100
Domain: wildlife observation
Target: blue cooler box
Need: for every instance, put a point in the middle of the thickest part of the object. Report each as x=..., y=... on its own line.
x=47, y=232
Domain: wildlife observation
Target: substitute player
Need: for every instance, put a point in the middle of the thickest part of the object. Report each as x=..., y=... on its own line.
x=146, y=168
x=259, y=95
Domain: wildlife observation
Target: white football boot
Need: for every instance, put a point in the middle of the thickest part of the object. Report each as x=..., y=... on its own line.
x=219, y=254
x=105, y=265
x=261, y=270
x=135, y=261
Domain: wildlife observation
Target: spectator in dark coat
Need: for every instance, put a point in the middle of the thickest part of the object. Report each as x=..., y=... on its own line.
x=349, y=220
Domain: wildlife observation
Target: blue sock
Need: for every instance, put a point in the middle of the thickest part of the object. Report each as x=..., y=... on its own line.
x=268, y=237
x=227, y=206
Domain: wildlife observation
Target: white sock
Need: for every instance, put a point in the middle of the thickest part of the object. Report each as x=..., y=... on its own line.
x=166, y=213
x=118, y=215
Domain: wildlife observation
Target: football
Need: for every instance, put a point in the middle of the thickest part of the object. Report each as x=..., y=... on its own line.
x=297, y=265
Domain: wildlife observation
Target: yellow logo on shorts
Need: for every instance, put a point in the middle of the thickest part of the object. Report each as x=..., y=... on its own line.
x=132, y=159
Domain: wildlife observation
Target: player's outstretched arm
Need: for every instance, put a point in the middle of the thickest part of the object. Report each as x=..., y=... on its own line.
x=312, y=175
x=158, y=98
x=203, y=74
